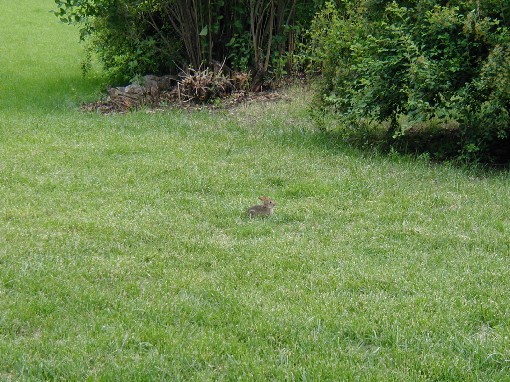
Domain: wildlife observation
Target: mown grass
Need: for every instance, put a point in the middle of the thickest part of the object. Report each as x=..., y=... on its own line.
x=40, y=60
x=126, y=253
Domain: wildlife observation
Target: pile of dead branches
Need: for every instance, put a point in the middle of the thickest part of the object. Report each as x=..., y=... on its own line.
x=192, y=89
x=203, y=85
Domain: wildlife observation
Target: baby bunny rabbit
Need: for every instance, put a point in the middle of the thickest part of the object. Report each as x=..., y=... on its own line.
x=262, y=210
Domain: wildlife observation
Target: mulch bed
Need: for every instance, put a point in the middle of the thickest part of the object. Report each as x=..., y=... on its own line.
x=167, y=100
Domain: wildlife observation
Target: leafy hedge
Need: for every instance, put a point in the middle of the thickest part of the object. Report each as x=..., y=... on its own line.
x=133, y=37
x=421, y=68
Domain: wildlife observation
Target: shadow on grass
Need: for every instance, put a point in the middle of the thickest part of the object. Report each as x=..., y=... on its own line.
x=438, y=146
x=55, y=91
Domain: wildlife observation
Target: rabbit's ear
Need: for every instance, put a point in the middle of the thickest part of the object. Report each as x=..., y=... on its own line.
x=264, y=198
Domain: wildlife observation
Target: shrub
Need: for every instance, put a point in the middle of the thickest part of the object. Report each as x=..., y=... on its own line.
x=418, y=66
x=123, y=35
x=155, y=36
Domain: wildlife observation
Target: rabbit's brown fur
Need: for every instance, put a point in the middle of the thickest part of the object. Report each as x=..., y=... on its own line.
x=265, y=209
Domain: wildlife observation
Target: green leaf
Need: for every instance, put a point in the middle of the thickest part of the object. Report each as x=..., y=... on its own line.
x=204, y=31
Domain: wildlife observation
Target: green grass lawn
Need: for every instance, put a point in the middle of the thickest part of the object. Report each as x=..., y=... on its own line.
x=126, y=253
x=39, y=60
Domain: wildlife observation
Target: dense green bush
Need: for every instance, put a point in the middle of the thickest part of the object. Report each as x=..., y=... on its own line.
x=134, y=37
x=122, y=35
x=419, y=67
